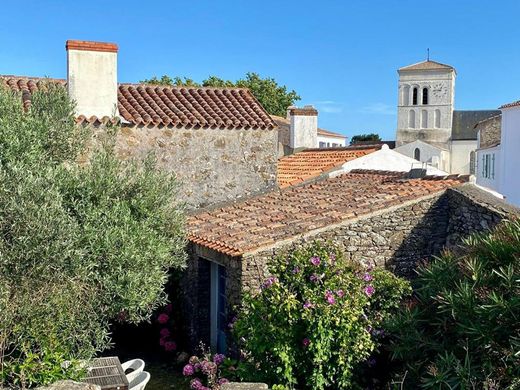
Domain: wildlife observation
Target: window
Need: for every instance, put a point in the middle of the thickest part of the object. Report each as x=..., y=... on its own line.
x=437, y=119
x=472, y=163
x=417, y=154
x=414, y=97
x=488, y=166
x=424, y=119
x=335, y=145
x=322, y=144
x=425, y=96
x=411, y=119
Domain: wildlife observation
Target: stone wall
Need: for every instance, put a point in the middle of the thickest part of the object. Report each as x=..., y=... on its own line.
x=212, y=165
x=472, y=210
x=490, y=131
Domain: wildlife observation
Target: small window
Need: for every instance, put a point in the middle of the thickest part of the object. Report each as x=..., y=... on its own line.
x=425, y=96
x=322, y=145
x=488, y=166
x=414, y=97
x=417, y=154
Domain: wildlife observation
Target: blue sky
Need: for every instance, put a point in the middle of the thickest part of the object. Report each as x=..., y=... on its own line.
x=339, y=55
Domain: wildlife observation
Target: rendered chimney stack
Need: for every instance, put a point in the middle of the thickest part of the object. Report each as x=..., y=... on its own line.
x=92, y=77
x=304, y=127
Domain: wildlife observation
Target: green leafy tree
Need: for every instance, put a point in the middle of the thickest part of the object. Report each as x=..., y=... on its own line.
x=364, y=138
x=312, y=324
x=80, y=246
x=462, y=328
x=274, y=98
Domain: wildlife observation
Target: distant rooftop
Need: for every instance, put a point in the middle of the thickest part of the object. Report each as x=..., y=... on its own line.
x=427, y=65
x=463, y=126
x=299, y=167
x=262, y=221
x=170, y=106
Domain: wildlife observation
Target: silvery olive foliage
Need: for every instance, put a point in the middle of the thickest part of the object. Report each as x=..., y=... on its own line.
x=81, y=245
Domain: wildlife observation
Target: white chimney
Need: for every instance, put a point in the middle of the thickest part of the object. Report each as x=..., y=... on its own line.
x=304, y=127
x=92, y=77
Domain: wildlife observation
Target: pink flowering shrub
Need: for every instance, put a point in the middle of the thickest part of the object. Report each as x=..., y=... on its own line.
x=207, y=372
x=315, y=320
x=165, y=334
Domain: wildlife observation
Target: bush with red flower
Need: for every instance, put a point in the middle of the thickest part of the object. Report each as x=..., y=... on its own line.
x=315, y=320
x=164, y=319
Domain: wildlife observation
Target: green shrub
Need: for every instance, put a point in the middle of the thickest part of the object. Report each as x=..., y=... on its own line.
x=312, y=322
x=80, y=246
x=462, y=329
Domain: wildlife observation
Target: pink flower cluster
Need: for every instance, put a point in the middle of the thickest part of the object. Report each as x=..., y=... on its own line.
x=206, y=366
x=269, y=282
x=165, y=341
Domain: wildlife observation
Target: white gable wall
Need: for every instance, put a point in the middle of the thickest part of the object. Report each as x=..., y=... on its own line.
x=460, y=156
x=386, y=159
x=330, y=141
x=510, y=155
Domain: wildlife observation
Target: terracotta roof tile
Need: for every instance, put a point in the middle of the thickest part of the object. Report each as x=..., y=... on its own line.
x=298, y=167
x=188, y=107
x=509, y=105
x=427, y=65
x=262, y=220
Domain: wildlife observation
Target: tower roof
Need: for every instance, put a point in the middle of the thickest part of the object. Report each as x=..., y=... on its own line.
x=427, y=65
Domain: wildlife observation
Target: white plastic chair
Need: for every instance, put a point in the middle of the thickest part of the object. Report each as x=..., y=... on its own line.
x=140, y=381
x=136, y=365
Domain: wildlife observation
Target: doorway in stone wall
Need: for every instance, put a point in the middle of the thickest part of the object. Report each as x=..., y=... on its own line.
x=218, y=320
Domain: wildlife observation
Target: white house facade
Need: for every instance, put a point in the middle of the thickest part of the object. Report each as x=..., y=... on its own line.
x=509, y=161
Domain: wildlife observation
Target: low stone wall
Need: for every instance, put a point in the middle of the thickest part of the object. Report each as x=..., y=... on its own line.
x=472, y=210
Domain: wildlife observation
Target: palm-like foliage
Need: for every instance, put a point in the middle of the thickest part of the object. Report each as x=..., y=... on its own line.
x=462, y=329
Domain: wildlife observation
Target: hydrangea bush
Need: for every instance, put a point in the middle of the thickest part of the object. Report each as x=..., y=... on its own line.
x=207, y=372
x=165, y=321
x=315, y=319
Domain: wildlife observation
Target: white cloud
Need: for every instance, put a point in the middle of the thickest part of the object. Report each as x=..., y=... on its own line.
x=329, y=106
x=379, y=109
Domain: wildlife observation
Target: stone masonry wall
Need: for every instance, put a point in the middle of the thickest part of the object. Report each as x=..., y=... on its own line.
x=472, y=210
x=490, y=131
x=213, y=166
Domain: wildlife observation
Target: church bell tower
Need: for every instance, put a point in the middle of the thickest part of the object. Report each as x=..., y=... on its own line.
x=426, y=102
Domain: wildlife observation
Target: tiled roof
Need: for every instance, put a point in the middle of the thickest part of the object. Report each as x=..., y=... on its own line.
x=298, y=167
x=186, y=107
x=512, y=104
x=285, y=123
x=427, y=65
x=261, y=221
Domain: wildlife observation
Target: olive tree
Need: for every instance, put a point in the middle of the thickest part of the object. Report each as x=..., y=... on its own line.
x=81, y=246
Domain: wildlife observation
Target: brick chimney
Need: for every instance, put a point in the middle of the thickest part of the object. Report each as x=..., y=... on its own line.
x=92, y=77
x=304, y=127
